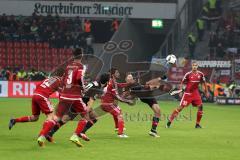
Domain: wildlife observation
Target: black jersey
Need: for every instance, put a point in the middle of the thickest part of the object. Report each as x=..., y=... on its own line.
x=92, y=92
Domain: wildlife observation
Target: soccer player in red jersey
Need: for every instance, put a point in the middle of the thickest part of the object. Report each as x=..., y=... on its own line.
x=110, y=99
x=91, y=91
x=70, y=99
x=40, y=102
x=191, y=94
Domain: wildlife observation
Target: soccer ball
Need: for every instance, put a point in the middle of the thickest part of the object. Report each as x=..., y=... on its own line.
x=171, y=59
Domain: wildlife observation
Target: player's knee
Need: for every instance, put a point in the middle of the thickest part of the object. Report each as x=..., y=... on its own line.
x=180, y=108
x=65, y=119
x=34, y=118
x=200, y=108
x=120, y=117
x=156, y=110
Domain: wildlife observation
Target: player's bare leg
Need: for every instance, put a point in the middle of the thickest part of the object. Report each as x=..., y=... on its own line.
x=13, y=121
x=199, y=117
x=155, y=120
x=174, y=115
x=47, y=126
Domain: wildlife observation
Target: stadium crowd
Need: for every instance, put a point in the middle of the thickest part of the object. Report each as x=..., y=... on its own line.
x=16, y=74
x=59, y=32
x=223, y=27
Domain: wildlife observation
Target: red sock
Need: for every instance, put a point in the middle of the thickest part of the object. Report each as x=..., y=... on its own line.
x=115, y=121
x=199, y=116
x=81, y=125
x=174, y=114
x=23, y=119
x=47, y=126
x=120, y=127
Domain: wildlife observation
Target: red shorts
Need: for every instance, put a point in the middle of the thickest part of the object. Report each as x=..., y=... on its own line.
x=113, y=109
x=41, y=103
x=191, y=98
x=71, y=108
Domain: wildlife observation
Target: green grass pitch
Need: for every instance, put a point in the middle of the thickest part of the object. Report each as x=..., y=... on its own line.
x=219, y=140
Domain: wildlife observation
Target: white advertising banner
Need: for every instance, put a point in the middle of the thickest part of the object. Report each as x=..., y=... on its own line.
x=3, y=88
x=214, y=64
x=89, y=9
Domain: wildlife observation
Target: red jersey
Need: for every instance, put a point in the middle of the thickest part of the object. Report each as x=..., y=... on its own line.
x=192, y=80
x=110, y=92
x=73, y=83
x=48, y=86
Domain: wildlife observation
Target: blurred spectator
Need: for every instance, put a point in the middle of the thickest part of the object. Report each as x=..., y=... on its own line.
x=212, y=44
x=8, y=74
x=231, y=86
x=220, y=50
x=200, y=28
x=21, y=75
x=191, y=44
x=114, y=25
x=68, y=42
x=87, y=28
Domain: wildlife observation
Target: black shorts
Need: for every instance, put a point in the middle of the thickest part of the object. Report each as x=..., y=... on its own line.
x=149, y=101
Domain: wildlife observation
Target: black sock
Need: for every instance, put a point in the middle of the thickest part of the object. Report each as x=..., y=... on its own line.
x=89, y=125
x=155, y=121
x=55, y=128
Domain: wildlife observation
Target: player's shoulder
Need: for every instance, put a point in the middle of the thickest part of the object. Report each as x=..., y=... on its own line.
x=188, y=73
x=199, y=72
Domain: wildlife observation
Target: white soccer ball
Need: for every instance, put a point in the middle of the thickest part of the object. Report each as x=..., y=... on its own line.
x=171, y=59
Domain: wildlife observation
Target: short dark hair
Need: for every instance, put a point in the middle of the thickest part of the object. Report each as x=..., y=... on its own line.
x=78, y=53
x=104, y=78
x=112, y=71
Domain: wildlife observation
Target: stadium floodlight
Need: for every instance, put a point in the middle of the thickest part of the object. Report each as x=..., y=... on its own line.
x=157, y=23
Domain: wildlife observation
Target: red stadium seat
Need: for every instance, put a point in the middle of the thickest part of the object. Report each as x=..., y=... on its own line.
x=9, y=44
x=39, y=45
x=61, y=51
x=45, y=45
x=54, y=51
x=3, y=62
x=46, y=51
x=17, y=62
x=17, y=50
x=16, y=44
x=69, y=51
x=39, y=51
x=25, y=62
x=2, y=44
x=10, y=56
x=31, y=44
x=9, y=50
x=10, y=62
x=3, y=56
x=32, y=55
x=24, y=56
x=24, y=45
x=24, y=50
x=2, y=50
